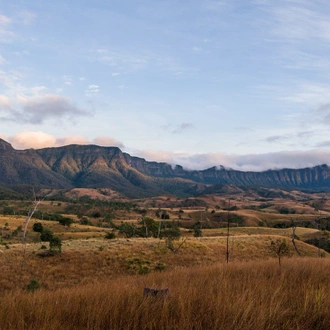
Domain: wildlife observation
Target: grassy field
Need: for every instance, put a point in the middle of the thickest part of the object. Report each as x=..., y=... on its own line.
x=245, y=295
x=97, y=283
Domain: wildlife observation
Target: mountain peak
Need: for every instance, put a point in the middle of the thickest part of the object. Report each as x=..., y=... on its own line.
x=5, y=145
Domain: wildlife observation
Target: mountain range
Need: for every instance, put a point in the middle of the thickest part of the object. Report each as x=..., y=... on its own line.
x=91, y=166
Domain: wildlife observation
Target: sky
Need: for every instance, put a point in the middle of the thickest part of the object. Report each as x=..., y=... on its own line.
x=239, y=83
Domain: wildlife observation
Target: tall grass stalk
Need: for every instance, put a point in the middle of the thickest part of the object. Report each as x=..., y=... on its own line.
x=240, y=295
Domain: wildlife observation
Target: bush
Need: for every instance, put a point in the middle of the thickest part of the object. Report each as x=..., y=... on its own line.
x=286, y=210
x=85, y=221
x=38, y=227
x=7, y=210
x=110, y=235
x=33, y=285
x=66, y=221
x=46, y=235
x=160, y=266
x=55, y=244
x=96, y=214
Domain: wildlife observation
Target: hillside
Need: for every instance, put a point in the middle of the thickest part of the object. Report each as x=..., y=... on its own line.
x=91, y=166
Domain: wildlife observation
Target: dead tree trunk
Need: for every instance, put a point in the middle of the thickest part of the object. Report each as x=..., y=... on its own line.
x=294, y=227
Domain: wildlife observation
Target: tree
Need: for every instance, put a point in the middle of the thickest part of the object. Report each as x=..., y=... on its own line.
x=171, y=233
x=127, y=229
x=66, y=221
x=46, y=235
x=198, y=229
x=38, y=227
x=55, y=244
x=149, y=226
x=280, y=248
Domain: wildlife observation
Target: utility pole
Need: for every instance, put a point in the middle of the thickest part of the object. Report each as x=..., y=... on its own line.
x=227, y=247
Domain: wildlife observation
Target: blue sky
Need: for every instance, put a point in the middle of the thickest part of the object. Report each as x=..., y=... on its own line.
x=244, y=84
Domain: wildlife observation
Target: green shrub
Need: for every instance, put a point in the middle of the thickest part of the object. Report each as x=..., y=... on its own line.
x=33, y=285
x=110, y=235
x=38, y=227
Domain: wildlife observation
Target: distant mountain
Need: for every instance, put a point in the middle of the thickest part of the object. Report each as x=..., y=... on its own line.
x=91, y=166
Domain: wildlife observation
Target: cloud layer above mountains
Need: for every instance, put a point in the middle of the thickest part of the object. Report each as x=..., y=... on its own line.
x=198, y=161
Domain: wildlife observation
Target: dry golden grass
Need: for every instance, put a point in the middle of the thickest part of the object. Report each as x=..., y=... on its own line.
x=254, y=295
x=301, y=232
x=95, y=259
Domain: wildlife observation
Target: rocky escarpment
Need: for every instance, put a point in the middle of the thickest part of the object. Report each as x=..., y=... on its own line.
x=92, y=166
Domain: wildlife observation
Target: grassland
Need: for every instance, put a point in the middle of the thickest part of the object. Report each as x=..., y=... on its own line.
x=97, y=283
x=246, y=295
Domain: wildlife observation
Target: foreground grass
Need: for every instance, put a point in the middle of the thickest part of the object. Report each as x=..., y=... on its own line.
x=242, y=295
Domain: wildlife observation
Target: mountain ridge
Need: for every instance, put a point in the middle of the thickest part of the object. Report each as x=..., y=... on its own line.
x=92, y=166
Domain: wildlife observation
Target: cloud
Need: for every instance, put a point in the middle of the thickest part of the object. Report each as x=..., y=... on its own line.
x=4, y=20
x=92, y=90
x=309, y=94
x=127, y=61
x=34, y=140
x=2, y=60
x=37, y=140
x=38, y=109
x=324, y=144
x=107, y=141
x=249, y=162
x=197, y=49
x=5, y=34
x=182, y=127
x=67, y=80
x=26, y=17
x=276, y=138
x=4, y=102
x=74, y=139
x=114, y=74
x=214, y=5
x=301, y=23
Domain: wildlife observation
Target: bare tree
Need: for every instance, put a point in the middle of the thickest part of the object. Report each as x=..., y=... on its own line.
x=294, y=227
x=280, y=248
x=31, y=211
x=227, y=242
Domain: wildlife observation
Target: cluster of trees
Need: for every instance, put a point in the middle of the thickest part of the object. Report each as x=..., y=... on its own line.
x=46, y=235
x=286, y=210
x=148, y=227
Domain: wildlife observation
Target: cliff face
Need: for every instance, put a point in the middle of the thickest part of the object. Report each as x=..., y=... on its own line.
x=93, y=166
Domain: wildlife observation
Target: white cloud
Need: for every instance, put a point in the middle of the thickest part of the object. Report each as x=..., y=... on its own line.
x=4, y=102
x=37, y=140
x=309, y=94
x=2, y=60
x=249, y=162
x=4, y=20
x=114, y=74
x=92, y=90
x=107, y=141
x=74, y=139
